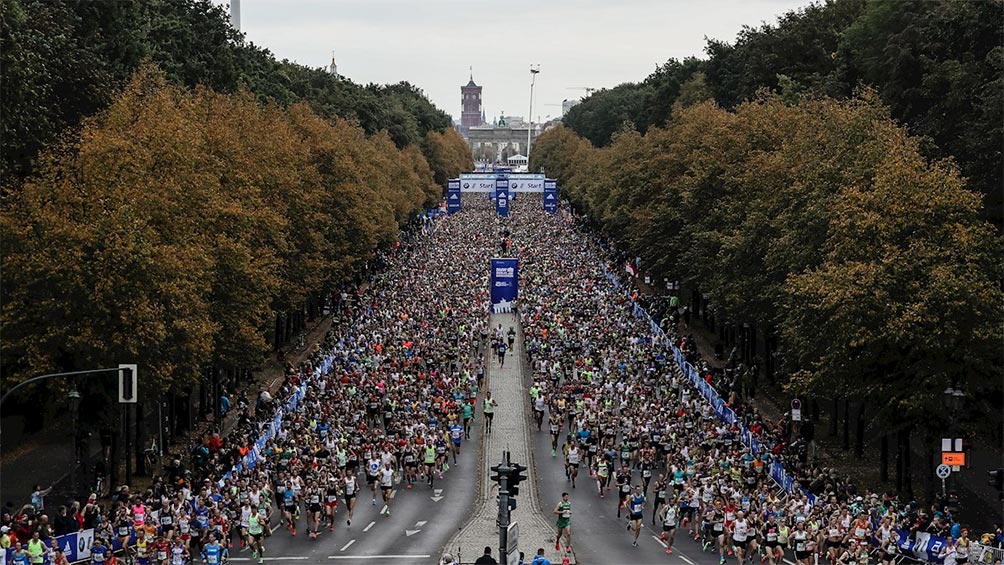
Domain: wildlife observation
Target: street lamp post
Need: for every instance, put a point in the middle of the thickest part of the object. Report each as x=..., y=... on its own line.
x=73, y=397
x=529, y=116
x=954, y=399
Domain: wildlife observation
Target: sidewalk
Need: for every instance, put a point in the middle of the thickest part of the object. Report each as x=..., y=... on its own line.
x=510, y=432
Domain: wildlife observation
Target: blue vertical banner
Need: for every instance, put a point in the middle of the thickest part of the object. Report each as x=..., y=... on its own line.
x=550, y=196
x=453, y=196
x=505, y=284
x=502, y=196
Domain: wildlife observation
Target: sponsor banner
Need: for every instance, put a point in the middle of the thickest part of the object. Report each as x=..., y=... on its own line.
x=550, y=196
x=453, y=199
x=505, y=284
x=478, y=185
x=485, y=182
x=502, y=197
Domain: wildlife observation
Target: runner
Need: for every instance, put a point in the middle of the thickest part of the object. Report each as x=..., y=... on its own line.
x=563, y=510
x=572, y=459
x=257, y=525
x=456, y=436
x=669, y=517
x=349, y=491
x=636, y=505
x=387, y=485
x=489, y=411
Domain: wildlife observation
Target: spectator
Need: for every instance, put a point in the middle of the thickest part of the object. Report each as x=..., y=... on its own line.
x=38, y=497
x=487, y=558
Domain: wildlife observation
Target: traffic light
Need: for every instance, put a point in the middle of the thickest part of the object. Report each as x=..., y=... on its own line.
x=516, y=476
x=501, y=471
x=127, y=384
x=996, y=479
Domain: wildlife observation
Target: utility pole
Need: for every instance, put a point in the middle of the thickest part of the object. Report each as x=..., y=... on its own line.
x=529, y=116
x=508, y=475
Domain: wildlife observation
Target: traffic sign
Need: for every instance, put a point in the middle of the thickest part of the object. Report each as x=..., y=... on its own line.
x=953, y=458
x=512, y=541
x=943, y=471
x=796, y=410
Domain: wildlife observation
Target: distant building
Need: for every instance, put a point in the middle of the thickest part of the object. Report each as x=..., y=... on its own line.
x=333, y=67
x=567, y=105
x=472, y=114
x=501, y=140
x=235, y=14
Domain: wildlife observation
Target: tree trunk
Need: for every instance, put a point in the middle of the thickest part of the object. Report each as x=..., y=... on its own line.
x=884, y=458
x=140, y=440
x=907, y=465
x=899, y=461
x=113, y=457
x=859, y=439
x=834, y=416
x=847, y=424
x=277, y=338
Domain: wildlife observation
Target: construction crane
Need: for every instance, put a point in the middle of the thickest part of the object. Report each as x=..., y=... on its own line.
x=589, y=90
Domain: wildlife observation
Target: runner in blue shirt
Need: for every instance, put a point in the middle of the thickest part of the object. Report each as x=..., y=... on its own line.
x=19, y=556
x=213, y=552
x=99, y=553
x=456, y=436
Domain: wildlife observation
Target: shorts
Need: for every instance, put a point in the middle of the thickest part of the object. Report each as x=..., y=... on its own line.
x=371, y=479
x=257, y=537
x=886, y=556
x=741, y=544
x=635, y=516
x=573, y=465
x=668, y=528
x=290, y=509
x=386, y=488
x=411, y=464
x=349, y=498
x=802, y=555
x=331, y=503
x=771, y=544
x=833, y=544
x=315, y=507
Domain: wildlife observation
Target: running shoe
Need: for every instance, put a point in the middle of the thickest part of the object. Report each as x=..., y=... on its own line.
x=634, y=543
x=669, y=550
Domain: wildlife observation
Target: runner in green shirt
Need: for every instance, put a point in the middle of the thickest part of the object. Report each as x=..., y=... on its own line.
x=563, y=511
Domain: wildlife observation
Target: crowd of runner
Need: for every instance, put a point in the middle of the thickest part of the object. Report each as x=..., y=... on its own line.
x=405, y=385
x=393, y=411
x=626, y=421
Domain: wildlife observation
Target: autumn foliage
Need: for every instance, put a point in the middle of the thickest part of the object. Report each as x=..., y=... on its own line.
x=819, y=218
x=178, y=222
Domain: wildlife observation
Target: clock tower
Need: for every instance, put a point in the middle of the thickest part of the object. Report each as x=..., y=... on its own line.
x=470, y=100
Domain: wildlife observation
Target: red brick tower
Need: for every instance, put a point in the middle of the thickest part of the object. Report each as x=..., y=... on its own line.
x=470, y=96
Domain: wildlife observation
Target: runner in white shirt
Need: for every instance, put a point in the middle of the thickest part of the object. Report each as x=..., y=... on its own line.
x=741, y=536
x=386, y=485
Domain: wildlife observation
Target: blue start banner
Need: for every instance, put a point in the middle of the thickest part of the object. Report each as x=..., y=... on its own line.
x=550, y=196
x=453, y=196
x=502, y=197
x=505, y=284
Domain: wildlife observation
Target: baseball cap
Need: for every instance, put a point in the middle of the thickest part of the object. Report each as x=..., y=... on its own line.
x=4, y=529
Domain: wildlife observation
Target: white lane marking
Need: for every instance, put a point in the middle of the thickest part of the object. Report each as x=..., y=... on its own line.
x=788, y=562
x=684, y=557
x=409, y=533
x=346, y=546
x=292, y=558
x=662, y=543
x=367, y=528
x=420, y=524
x=436, y=498
x=384, y=509
x=379, y=556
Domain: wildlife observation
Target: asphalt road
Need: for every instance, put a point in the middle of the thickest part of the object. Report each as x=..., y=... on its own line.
x=421, y=522
x=598, y=535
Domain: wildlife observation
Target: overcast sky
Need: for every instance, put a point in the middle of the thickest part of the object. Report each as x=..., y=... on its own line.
x=432, y=43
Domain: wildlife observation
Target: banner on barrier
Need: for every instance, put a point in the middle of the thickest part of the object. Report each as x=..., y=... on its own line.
x=505, y=284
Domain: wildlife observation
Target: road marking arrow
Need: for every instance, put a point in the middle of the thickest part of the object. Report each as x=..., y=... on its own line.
x=420, y=524
x=410, y=533
x=436, y=498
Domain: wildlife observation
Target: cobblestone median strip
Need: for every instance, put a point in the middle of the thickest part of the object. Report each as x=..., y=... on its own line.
x=510, y=432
